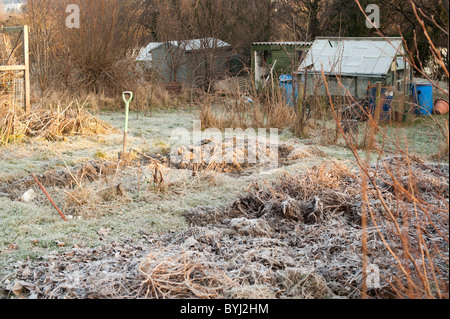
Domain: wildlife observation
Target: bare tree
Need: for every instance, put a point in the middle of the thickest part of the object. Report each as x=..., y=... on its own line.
x=303, y=17
x=400, y=16
x=171, y=27
x=234, y=21
x=87, y=58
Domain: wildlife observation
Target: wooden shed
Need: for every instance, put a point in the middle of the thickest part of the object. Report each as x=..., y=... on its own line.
x=187, y=60
x=277, y=57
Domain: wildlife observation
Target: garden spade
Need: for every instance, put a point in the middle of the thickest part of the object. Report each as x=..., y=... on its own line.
x=127, y=109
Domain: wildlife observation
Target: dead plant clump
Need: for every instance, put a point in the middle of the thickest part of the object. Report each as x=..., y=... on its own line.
x=86, y=190
x=172, y=273
x=68, y=177
x=239, y=111
x=235, y=155
x=307, y=198
x=299, y=237
x=49, y=124
x=94, y=188
x=94, y=200
x=228, y=155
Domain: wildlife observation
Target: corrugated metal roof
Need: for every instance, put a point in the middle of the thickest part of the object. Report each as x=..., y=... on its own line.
x=146, y=53
x=352, y=56
x=188, y=45
x=284, y=43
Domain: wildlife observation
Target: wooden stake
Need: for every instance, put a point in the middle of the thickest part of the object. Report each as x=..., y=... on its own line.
x=137, y=107
x=378, y=104
x=48, y=196
x=301, y=90
x=139, y=179
x=146, y=105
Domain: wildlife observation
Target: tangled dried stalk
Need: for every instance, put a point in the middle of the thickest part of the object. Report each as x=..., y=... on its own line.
x=326, y=190
x=158, y=176
x=49, y=124
x=247, y=109
x=170, y=273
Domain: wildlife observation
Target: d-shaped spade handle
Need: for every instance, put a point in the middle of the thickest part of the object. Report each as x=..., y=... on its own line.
x=127, y=106
x=124, y=95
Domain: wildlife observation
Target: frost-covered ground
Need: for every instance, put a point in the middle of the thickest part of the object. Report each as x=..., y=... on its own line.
x=137, y=208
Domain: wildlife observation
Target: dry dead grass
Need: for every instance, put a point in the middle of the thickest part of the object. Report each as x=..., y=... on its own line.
x=48, y=124
x=251, y=109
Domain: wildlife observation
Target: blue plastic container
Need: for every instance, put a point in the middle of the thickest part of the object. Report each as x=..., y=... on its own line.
x=423, y=98
x=386, y=96
x=286, y=85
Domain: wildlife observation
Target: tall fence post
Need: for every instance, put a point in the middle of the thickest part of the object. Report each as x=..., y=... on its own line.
x=27, y=69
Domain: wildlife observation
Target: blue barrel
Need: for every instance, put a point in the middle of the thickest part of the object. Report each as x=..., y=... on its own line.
x=423, y=98
x=386, y=97
x=286, y=85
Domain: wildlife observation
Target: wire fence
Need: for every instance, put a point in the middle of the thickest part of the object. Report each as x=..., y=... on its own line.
x=12, y=87
x=12, y=82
